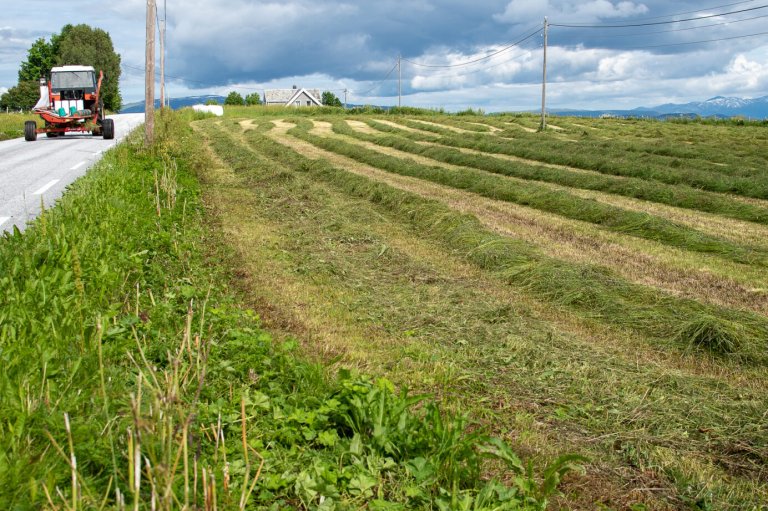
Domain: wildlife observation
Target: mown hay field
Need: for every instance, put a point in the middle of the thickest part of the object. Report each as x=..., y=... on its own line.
x=599, y=288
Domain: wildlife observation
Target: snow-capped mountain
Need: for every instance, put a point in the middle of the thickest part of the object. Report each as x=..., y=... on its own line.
x=719, y=105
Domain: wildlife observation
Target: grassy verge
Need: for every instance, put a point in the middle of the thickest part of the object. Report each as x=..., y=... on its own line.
x=361, y=260
x=133, y=377
x=12, y=125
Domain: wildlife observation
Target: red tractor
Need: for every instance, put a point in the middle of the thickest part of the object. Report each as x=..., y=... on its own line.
x=71, y=102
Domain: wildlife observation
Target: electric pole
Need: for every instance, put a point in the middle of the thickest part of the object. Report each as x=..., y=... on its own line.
x=544, y=81
x=162, y=58
x=149, y=77
x=399, y=81
x=345, y=99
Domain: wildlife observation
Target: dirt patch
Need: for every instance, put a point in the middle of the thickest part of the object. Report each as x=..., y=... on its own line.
x=282, y=127
x=322, y=128
x=247, y=124
x=362, y=127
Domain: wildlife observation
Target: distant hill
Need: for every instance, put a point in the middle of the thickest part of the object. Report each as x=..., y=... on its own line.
x=719, y=106
x=176, y=103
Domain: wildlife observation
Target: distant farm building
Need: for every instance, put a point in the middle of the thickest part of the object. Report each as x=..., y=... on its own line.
x=292, y=97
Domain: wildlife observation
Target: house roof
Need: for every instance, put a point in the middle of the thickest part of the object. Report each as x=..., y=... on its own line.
x=71, y=68
x=288, y=96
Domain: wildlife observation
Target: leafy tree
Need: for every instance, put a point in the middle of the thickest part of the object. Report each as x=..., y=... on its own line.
x=83, y=45
x=234, y=98
x=253, y=99
x=330, y=99
x=41, y=57
x=22, y=96
x=211, y=101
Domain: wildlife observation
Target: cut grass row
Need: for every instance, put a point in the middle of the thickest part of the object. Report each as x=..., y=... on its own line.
x=632, y=223
x=681, y=194
x=738, y=231
x=589, y=289
x=657, y=161
x=319, y=238
x=701, y=277
x=726, y=147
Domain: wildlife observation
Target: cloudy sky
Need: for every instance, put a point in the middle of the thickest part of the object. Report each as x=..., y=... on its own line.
x=614, y=54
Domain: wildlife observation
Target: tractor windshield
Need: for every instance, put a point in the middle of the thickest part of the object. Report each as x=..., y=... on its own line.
x=81, y=80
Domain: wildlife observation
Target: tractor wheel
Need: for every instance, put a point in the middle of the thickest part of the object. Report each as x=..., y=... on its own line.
x=30, y=131
x=108, y=128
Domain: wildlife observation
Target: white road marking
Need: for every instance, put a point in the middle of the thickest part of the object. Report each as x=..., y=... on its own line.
x=46, y=187
x=78, y=165
x=4, y=219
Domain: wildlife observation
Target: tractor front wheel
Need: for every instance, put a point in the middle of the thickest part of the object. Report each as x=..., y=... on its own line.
x=108, y=128
x=30, y=131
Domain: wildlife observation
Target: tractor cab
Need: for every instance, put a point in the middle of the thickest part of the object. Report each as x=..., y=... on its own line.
x=73, y=90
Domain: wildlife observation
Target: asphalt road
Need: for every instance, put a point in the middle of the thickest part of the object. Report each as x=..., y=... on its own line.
x=45, y=167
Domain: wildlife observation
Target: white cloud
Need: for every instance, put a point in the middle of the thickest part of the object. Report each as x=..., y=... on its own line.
x=504, y=67
x=525, y=11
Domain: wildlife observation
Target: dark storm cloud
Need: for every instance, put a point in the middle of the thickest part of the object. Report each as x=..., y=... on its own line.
x=215, y=46
x=250, y=41
x=360, y=40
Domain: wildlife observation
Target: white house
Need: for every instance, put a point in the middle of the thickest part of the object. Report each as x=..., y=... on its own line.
x=292, y=97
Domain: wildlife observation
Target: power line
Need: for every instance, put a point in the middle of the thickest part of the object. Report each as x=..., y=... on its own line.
x=634, y=34
x=516, y=43
x=697, y=10
x=485, y=68
x=577, y=25
x=698, y=42
x=380, y=81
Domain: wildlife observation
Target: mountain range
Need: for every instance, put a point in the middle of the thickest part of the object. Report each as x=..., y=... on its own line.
x=718, y=106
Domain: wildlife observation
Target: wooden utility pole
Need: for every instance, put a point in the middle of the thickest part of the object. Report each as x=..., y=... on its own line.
x=162, y=59
x=149, y=77
x=399, y=81
x=345, y=99
x=544, y=81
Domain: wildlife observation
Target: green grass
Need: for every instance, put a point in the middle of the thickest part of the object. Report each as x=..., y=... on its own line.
x=590, y=289
x=632, y=223
x=12, y=124
x=124, y=348
x=684, y=195
x=386, y=265
x=627, y=158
